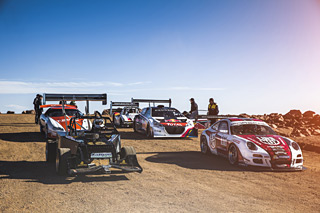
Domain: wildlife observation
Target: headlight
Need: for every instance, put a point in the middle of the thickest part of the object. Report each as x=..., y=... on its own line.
x=295, y=145
x=156, y=124
x=252, y=146
x=56, y=125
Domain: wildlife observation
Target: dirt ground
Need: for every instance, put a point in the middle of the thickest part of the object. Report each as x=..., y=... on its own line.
x=176, y=178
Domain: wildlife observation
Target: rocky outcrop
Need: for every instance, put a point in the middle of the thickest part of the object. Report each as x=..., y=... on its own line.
x=10, y=112
x=294, y=123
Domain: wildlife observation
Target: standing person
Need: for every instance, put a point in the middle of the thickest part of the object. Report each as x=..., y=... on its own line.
x=194, y=109
x=37, y=102
x=213, y=109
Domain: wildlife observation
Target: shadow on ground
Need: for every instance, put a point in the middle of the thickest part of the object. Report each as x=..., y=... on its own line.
x=193, y=160
x=140, y=136
x=23, y=137
x=42, y=172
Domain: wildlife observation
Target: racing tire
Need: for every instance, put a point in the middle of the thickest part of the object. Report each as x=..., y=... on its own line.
x=128, y=154
x=134, y=126
x=62, y=167
x=233, y=155
x=41, y=129
x=46, y=132
x=149, y=132
x=204, y=145
x=51, y=151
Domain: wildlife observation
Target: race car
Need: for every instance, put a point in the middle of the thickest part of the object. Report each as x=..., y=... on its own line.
x=251, y=142
x=125, y=116
x=53, y=122
x=161, y=121
x=56, y=119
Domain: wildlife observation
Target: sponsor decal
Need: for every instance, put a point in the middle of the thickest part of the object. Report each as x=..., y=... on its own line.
x=268, y=140
x=174, y=124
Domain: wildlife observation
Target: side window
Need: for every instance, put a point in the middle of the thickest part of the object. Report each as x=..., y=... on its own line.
x=144, y=111
x=147, y=114
x=223, y=127
x=215, y=127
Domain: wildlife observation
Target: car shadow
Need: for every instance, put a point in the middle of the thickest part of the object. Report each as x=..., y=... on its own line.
x=140, y=136
x=23, y=137
x=43, y=172
x=193, y=160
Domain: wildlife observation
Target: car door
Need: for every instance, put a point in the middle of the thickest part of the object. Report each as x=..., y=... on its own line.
x=212, y=137
x=222, y=135
x=145, y=119
x=139, y=119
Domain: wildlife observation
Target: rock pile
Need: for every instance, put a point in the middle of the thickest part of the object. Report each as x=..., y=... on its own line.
x=28, y=112
x=294, y=123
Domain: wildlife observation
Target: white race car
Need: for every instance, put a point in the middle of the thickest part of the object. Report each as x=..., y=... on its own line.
x=163, y=121
x=251, y=142
x=125, y=116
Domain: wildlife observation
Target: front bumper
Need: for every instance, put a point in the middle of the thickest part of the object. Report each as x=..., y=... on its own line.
x=160, y=132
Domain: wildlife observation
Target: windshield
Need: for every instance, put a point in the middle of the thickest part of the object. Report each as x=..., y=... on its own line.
x=167, y=113
x=59, y=113
x=131, y=110
x=251, y=129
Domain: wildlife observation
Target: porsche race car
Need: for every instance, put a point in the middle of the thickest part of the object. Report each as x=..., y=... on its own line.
x=125, y=116
x=161, y=121
x=251, y=142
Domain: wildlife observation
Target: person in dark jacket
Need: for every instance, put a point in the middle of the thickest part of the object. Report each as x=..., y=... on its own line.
x=37, y=102
x=194, y=109
x=213, y=109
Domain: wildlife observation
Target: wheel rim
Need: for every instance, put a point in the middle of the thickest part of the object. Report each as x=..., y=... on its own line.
x=233, y=154
x=204, y=147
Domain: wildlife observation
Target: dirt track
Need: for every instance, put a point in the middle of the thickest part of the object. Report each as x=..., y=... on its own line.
x=176, y=178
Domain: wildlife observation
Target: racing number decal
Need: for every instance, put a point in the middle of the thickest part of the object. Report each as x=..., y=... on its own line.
x=212, y=140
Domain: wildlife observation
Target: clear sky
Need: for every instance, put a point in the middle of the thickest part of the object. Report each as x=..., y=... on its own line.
x=251, y=56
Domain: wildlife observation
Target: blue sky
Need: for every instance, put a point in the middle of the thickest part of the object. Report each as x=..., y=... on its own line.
x=251, y=56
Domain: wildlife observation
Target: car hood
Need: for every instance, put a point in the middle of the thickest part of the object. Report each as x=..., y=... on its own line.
x=275, y=145
x=62, y=122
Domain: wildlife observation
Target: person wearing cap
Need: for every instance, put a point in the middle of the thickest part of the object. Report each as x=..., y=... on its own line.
x=213, y=109
x=37, y=102
x=194, y=109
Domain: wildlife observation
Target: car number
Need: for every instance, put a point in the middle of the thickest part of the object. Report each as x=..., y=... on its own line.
x=101, y=155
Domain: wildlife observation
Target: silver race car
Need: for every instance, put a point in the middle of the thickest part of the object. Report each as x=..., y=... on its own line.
x=251, y=142
x=123, y=117
x=161, y=121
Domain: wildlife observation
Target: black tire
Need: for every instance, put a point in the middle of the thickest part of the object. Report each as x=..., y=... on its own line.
x=149, y=132
x=51, y=151
x=134, y=126
x=62, y=167
x=204, y=145
x=46, y=132
x=233, y=155
x=41, y=129
x=128, y=153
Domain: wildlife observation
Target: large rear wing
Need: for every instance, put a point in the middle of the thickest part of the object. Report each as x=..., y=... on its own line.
x=75, y=97
x=122, y=104
x=151, y=101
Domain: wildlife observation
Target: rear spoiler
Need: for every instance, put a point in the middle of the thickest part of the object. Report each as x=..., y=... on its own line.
x=122, y=104
x=151, y=101
x=57, y=105
x=75, y=97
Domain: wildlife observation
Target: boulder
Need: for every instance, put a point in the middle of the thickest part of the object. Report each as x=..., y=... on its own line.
x=10, y=112
x=244, y=115
x=285, y=131
x=293, y=114
x=316, y=132
x=308, y=114
x=30, y=112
